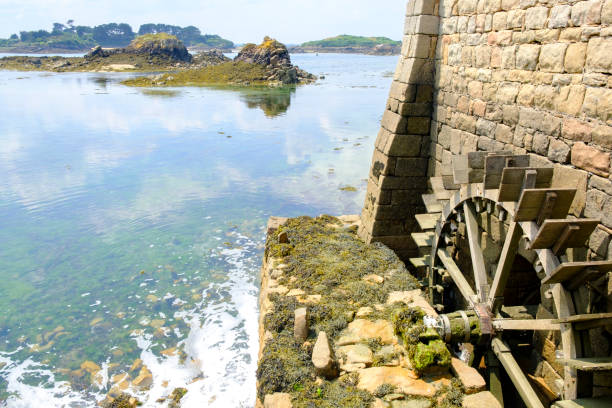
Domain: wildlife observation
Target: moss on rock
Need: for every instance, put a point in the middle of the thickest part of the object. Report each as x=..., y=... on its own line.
x=425, y=347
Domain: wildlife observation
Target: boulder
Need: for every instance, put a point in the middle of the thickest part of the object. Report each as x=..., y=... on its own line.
x=356, y=353
x=275, y=57
x=480, y=400
x=209, y=58
x=162, y=44
x=300, y=324
x=470, y=378
x=323, y=358
x=144, y=379
x=406, y=381
x=278, y=400
x=361, y=330
x=269, y=53
x=96, y=52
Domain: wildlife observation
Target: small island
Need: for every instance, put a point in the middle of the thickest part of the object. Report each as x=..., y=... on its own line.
x=351, y=44
x=266, y=64
x=71, y=38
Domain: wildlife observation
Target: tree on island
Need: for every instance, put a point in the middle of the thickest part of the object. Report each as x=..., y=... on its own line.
x=70, y=37
x=113, y=34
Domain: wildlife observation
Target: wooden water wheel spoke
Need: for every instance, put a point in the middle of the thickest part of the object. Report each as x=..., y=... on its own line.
x=455, y=273
x=503, y=353
x=505, y=187
x=478, y=264
x=506, y=261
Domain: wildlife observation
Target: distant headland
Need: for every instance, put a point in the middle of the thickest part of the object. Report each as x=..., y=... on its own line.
x=351, y=44
x=71, y=38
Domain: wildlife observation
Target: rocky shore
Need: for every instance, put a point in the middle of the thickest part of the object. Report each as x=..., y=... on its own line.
x=341, y=324
x=159, y=52
x=268, y=64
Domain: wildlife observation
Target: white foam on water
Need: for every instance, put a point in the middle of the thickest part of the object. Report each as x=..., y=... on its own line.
x=221, y=348
x=50, y=394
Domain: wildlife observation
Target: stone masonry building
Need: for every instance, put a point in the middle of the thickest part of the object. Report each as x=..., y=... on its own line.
x=526, y=76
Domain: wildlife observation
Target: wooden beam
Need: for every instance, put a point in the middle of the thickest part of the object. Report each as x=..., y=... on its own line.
x=550, y=231
x=427, y=221
x=432, y=204
x=547, y=207
x=529, y=180
x=539, y=382
x=536, y=204
x=599, y=402
x=568, y=270
x=506, y=260
x=588, y=364
x=478, y=263
x=564, y=238
x=460, y=169
x=526, y=324
x=586, y=317
x=503, y=353
x=455, y=273
x=423, y=239
x=564, y=306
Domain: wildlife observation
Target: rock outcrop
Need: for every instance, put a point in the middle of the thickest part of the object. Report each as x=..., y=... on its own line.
x=162, y=44
x=209, y=58
x=270, y=53
x=155, y=45
x=275, y=57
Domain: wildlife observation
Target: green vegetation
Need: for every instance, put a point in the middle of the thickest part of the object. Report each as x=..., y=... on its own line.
x=145, y=39
x=240, y=73
x=190, y=36
x=425, y=347
x=323, y=257
x=351, y=41
x=284, y=366
x=450, y=396
x=68, y=37
x=383, y=390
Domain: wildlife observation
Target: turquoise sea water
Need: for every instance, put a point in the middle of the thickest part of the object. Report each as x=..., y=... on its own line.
x=132, y=221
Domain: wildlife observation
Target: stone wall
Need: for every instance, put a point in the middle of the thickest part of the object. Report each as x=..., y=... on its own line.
x=398, y=174
x=529, y=76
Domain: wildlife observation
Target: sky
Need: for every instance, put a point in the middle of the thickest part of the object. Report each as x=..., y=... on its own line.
x=289, y=21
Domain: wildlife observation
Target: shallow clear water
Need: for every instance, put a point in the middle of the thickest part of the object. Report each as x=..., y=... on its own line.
x=132, y=221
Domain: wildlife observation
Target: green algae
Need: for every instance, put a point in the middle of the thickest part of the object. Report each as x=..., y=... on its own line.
x=284, y=366
x=138, y=63
x=281, y=317
x=425, y=347
x=145, y=39
x=176, y=397
x=240, y=73
x=434, y=353
x=332, y=395
x=329, y=260
x=383, y=390
x=449, y=396
x=326, y=258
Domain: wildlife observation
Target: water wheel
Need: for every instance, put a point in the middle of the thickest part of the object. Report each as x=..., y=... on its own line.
x=498, y=309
